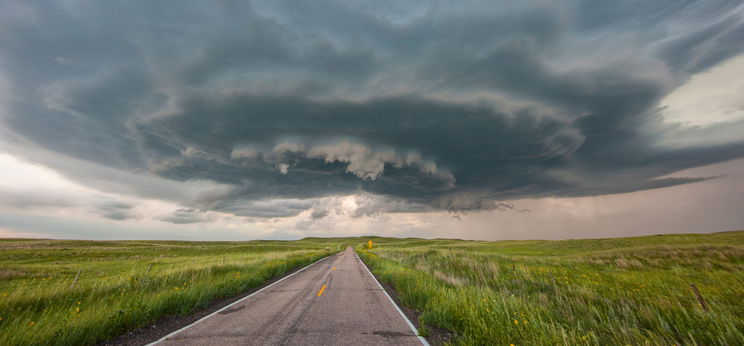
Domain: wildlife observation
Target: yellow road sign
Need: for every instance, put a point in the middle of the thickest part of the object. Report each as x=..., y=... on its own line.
x=369, y=244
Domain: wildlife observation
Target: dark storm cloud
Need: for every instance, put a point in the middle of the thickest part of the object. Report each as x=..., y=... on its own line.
x=452, y=106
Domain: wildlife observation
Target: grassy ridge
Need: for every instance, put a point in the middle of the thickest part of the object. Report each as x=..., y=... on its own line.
x=575, y=292
x=127, y=284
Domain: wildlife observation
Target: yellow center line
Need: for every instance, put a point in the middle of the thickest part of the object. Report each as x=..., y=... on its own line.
x=321, y=290
x=334, y=268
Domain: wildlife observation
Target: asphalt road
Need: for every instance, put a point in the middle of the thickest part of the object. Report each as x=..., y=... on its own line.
x=335, y=301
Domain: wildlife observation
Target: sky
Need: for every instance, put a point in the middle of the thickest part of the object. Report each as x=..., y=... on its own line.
x=237, y=120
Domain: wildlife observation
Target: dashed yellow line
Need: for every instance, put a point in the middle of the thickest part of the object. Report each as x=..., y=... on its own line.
x=321, y=290
x=334, y=268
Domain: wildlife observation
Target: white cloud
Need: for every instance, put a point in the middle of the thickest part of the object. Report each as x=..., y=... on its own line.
x=282, y=167
x=244, y=152
x=362, y=160
x=709, y=108
x=196, y=153
x=711, y=97
x=28, y=187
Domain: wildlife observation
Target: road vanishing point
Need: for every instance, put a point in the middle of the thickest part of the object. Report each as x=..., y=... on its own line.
x=335, y=301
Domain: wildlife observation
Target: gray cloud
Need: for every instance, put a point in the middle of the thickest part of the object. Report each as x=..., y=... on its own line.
x=40, y=199
x=25, y=200
x=451, y=106
x=115, y=210
x=185, y=216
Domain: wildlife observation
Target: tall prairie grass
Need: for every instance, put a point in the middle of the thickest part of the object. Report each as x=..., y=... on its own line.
x=127, y=284
x=575, y=292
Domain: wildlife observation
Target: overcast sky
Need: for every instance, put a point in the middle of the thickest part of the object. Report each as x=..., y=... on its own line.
x=283, y=119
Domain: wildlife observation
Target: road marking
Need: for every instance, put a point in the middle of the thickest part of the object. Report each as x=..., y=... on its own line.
x=415, y=332
x=321, y=290
x=334, y=268
x=235, y=302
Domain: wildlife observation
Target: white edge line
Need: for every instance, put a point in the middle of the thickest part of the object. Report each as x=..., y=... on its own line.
x=413, y=328
x=233, y=303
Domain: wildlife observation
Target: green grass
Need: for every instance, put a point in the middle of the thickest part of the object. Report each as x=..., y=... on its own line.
x=574, y=292
x=128, y=284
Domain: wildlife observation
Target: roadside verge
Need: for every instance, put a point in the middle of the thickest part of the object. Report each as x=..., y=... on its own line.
x=435, y=335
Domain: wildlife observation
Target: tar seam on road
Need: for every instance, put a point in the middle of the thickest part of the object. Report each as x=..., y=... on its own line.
x=413, y=328
x=321, y=290
x=236, y=302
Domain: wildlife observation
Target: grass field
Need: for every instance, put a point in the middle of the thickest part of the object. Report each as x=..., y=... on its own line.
x=127, y=284
x=575, y=292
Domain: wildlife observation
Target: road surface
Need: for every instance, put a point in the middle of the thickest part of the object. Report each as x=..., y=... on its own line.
x=335, y=301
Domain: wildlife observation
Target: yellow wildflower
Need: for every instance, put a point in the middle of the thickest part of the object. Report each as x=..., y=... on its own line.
x=525, y=321
x=31, y=324
x=516, y=322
